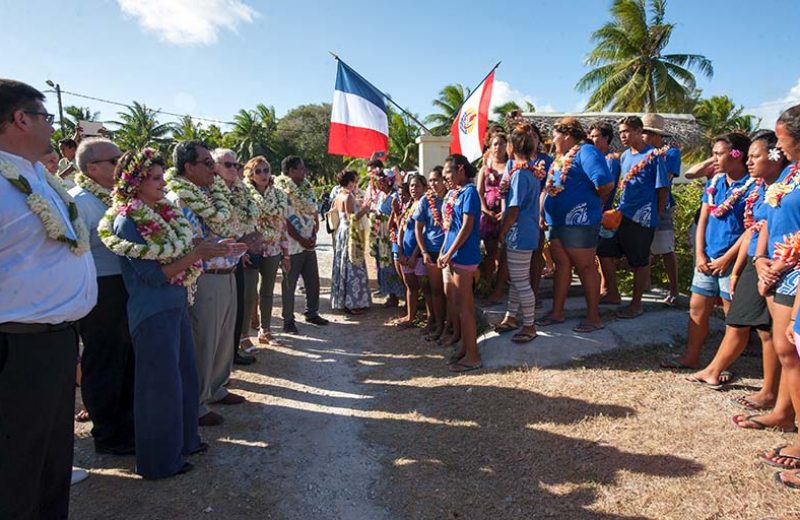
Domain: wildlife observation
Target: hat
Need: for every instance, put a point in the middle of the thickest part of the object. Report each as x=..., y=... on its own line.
x=654, y=124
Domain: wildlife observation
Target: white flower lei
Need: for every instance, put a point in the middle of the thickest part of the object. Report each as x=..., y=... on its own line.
x=271, y=207
x=93, y=187
x=302, y=196
x=245, y=207
x=214, y=208
x=41, y=207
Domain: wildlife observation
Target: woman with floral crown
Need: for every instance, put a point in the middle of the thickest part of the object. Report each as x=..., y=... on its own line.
x=160, y=265
x=271, y=204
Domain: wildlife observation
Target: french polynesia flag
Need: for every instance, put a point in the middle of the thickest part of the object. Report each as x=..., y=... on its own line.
x=469, y=125
x=359, y=126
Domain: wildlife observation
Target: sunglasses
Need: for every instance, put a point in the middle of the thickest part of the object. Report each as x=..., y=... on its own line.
x=207, y=162
x=113, y=161
x=47, y=116
x=260, y=171
x=229, y=164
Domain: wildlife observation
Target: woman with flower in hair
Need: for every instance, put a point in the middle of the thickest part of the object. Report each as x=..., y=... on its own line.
x=461, y=254
x=160, y=265
x=719, y=234
x=430, y=237
x=411, y=263
x=271, y=204
x=349, y=282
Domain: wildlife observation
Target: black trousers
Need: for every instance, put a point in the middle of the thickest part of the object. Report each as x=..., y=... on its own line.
x=107, y=365
x=37, y=400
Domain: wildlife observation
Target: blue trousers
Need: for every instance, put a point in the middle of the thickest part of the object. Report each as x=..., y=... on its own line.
x=166, y=394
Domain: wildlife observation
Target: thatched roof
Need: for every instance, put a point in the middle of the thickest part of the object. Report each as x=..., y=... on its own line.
x=683, y=127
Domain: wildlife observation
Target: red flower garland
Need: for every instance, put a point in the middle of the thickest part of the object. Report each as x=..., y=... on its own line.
x=749, y=202
x=437, y=217
x=720, y=210
x=633, y=172
x=563, y=164
x=449, y=207
x=788, y=251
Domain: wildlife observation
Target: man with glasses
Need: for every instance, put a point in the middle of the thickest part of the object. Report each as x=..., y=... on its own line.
x=107, y=364
x=49, y=283
x=227, y=167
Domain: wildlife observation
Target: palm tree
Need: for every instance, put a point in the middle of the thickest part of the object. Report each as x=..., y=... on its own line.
x=449, y=101
x=251, y=131
x=718, y=115
x=631, y=73
x=139, y=127
x=403, y=149
x=73, y=114
x=186, y=129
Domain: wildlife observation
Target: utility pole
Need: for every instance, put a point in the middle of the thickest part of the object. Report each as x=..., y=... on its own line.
x=60, y=107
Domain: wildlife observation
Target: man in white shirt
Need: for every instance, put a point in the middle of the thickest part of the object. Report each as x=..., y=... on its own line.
x=47, y=283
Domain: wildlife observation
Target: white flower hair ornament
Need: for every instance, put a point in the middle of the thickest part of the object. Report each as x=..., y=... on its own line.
x=775, y=155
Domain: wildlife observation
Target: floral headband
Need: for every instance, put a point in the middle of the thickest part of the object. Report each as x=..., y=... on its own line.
x=133, y=173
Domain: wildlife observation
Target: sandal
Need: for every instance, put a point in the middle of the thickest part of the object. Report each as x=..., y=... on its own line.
x=628, y=314
x=546, y=321
x=772, y=457
x=463, y=367
x=739, y=419
x=726, y=377
x=586, y=328
x=747, y=404
x=82, y=416
x=791, y=485
x=456, y=357
x=522, y=337
x=504, y=326
x=670, y=300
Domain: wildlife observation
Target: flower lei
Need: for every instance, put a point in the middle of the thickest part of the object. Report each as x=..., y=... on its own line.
x=53, y=224
x=719, y=210
x=167, y=235
x=93, y=187
x=788, y=251
x=749, y=202
x=778, y=190
x=380, y=246
x=244, y=206
x=214, y=207
x=355, y=246
x=448, y=207
x=563, y=164
x=271, y=210
x=301, y=197
x=638, y=167
x=437, y=217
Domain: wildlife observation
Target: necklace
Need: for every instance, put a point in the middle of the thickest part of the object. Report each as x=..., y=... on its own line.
x=562, y=164
x=93, y=187
x=778, y=190
x=725, y=206
x=214, y=207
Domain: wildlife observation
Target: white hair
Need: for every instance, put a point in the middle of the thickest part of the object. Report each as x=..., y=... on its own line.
x=87, y=151
x=219, y=153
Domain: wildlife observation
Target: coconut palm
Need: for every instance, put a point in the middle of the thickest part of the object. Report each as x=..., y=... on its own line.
x=186, y=129
x=718, y=115
x=73, y=114
x=631, y=73
x=449, y=101
x=139, y=127
x=403, y=133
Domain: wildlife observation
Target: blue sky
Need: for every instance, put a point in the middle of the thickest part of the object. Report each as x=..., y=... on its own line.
x=209, y=58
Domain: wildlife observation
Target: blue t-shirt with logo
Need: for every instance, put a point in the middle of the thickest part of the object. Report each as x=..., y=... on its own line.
x=673, y=161
x=639, y=201
x=434, y=234
x=612, y=160
x=409, y=237
x=785, y=219
x=467, y=202
x=578, y=204
x=760, y=212
x=722, y=232
x=523, y=192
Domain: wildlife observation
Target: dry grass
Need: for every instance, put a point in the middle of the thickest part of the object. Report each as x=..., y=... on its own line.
x=606, y=438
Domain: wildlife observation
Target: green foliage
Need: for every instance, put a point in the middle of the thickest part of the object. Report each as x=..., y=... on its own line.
x=403, y=149
x=718, y=115
x=630, y=71
x=139, y=127
x=303, y=131
x=449, y=101
x=254, y=132
x=186, y=129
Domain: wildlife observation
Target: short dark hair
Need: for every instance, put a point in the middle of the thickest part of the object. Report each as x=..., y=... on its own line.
x=605, y=129
x=416, y=176
x=345, y=177
x=770, y=140
x=375, y=163
x=522, y=139
x=16, y=95
x=290, y=162
x=437, y=170
x=737, y=141
x=790, y=118
x=634, y=122
x=69, y=143
x=459, y=160
x=186, y=152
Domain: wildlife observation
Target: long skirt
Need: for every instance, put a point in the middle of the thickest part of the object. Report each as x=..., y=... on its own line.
x=349, y=282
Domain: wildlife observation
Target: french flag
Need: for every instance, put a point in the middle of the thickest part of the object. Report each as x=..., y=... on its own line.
x=359, y=126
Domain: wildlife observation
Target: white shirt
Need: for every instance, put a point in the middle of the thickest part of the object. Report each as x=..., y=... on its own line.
x=41, y=281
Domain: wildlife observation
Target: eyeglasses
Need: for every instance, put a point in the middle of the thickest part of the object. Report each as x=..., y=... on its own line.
x=207, y=162
x=113, y=161
x=259, y=171
x=47, y=116
x=229, y=164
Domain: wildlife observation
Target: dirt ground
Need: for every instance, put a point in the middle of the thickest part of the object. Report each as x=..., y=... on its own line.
x=359, y=420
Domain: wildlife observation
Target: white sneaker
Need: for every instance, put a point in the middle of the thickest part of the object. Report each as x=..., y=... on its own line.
x=78, y=475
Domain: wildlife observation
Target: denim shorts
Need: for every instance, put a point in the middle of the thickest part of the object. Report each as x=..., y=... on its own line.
x=712, y=285
x=576, y=237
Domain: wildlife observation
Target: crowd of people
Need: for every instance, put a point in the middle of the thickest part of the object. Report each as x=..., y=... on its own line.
x=160, y=273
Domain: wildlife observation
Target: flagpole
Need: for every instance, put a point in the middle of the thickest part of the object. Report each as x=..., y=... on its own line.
x=406, y=112
x=476, y=88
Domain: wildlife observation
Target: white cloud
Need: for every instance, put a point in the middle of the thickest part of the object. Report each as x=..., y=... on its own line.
x=188, y=22
x=769, y=111
x=503, y=93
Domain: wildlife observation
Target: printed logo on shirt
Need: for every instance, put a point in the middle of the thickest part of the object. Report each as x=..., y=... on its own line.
x=788, y=285
x=578, y=216
x=644, y=215
x=513, y=235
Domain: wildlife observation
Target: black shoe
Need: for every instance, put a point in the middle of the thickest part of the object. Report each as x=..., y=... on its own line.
x=243, y=359
x=317, y=320
x=290, y=328
x=121, y=449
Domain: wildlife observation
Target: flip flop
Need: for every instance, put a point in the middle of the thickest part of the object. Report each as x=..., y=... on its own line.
x=503, y=327
x=546, y=321
x=456, y=357
x=770, y=459
x=463, y=367
x=586, y=328
x=749, y=405
x=627, y=315
x=522, y=337
x=726, y=377
x=672, y=363
x=669, y=300
x=790, y=485
x=740, y=418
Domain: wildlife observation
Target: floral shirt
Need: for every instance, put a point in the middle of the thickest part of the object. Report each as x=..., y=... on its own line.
x=301, y=210
x=271, y=222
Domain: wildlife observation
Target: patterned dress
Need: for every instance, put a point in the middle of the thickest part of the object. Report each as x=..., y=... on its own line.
x=349, y=282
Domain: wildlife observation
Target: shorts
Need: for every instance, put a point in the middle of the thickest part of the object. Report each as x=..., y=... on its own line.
x=663, y=242
x=576, y=237
x=631, y=240
x=469, y=268
x=748, y=308
x=712, y=285
x=418, y=269
x=786, y=288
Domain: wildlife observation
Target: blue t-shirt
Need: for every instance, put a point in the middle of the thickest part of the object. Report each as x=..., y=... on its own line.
x=546, y=161
x=722, y=232
x=523, y=192
x=760, y=212
x=785, y=219
x=612, y=161
x=434, y=234
x=467, y=202
x=409, y=238
x=578, y=204
x=673, y=161
x=639, y=200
